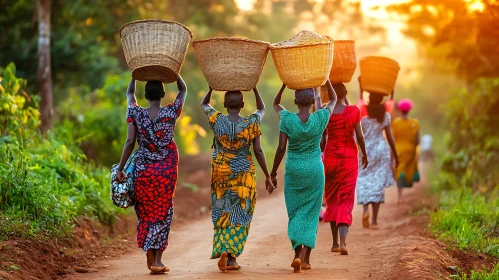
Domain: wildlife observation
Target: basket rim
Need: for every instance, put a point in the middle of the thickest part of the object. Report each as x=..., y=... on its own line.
x=274, y=47
x=377, y=57
x=344, y=41
x=155, y=20
x=214, y=39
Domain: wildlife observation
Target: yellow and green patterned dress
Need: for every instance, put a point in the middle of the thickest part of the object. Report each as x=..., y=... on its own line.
x=233, y=184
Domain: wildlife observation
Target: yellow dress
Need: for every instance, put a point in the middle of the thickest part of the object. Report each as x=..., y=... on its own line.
x=405, y=132
x=233, y=183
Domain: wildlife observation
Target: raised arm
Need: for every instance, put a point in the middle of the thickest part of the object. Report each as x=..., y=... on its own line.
x=362, y=144
x=361, y=90
x=318, y=101
x=260, y=106
x=279, y=155
x=205, y=102
x=391, y=142
x=332, y=97
x=347, y=101
x=260, y=157
x=277, y=100
x=130, y=93
x=182, y=90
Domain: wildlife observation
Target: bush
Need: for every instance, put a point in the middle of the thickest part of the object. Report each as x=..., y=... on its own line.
x=45, y=182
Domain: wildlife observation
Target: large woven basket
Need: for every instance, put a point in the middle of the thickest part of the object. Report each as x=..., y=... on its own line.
x=344, y=62
x=155, y=49
x=231, y=63
x=304, y=61
x=378, y=74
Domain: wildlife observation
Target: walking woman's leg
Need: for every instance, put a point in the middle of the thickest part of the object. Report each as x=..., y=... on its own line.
x=365, y=216
x=343, y=231
x=334, y=231
x=306, y=255
x=296, y=264
x=375, y=213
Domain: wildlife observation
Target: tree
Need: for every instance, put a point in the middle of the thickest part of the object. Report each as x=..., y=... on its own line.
x=44, y=72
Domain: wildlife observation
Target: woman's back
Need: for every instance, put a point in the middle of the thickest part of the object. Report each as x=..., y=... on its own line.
x=373, y=129
x=340, y=133
x=405, y=132
x=304, y=137
x=155, y=136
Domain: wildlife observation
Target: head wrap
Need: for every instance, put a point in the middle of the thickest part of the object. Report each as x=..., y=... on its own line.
x=405, y=105
x=305, y=96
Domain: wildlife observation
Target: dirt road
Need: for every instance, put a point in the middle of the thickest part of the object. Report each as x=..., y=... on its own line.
x=373, y=253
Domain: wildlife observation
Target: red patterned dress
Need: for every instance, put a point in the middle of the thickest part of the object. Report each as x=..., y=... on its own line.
x=341, y=165
x=156, y=173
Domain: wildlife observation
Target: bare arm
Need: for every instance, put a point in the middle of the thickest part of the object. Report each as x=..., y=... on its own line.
x=323, y=141
x=318, y=101
x=205, y=102
x=361, y=90
x=362, y=143
x=129, y=145
x=277, y=100
x=417, y=138
x=279, y=155
x=130, y=93
x=182, y=90
x=391, y=142
x=260, y=106
x=332, y=96
x=260, y=155
x=347, y=101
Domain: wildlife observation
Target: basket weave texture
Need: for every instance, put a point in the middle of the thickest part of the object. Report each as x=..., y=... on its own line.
x=344, y=62
x=231, y=63
x=304, y=61
x=155, y=49
x=378, y=74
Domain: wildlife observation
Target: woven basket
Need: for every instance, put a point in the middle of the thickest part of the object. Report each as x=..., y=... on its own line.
x=304, y=61
x=344, y=62
x=378, y=74
x=155, y=49
x=231, y=63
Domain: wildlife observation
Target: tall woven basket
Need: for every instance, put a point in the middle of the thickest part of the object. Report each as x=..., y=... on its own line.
x=344, y=61
x=231, y=63
x=378, y=74
x=155, y=49
x=304, y=61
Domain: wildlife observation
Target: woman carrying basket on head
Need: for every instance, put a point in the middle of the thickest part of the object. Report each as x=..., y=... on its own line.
x=378, y=176
x=155, y=166
x=341, y=166
x=233, y=182
x=300, y=135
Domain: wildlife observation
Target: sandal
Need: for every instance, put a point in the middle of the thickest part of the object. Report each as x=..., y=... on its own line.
x=296, y=264
x=305, y=266
x=335, y=249
x=365, y=220
x=222, y=263
x=233, y=267
x=159, y=269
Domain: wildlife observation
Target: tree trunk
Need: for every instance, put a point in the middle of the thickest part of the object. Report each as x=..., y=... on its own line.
x=44, y=73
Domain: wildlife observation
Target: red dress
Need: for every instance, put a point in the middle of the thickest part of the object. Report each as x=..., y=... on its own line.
x=156, y=173
x=341, y=165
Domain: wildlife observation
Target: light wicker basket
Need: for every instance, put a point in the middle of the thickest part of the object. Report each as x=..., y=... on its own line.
x=378, y=74
x=344, y=62
x=231, y=63
x=155, y=49
x=304, y=61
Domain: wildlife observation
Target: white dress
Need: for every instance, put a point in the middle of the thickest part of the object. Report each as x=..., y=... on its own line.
x=378, y=175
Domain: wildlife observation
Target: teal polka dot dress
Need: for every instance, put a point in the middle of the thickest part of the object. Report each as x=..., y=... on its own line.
x=304, y=175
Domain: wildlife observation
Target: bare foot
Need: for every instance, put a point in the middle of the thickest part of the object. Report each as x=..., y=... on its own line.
x=365, y=220
x=374, y=226
x=335, y=249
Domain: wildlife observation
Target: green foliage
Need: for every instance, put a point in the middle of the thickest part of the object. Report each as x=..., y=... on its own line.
x=468, y=220
x=473, y=138
x=45, y=182
x=483, y=274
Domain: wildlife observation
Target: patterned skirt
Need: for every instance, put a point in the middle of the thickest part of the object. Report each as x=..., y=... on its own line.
x=154, y=191
x=233, y=191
